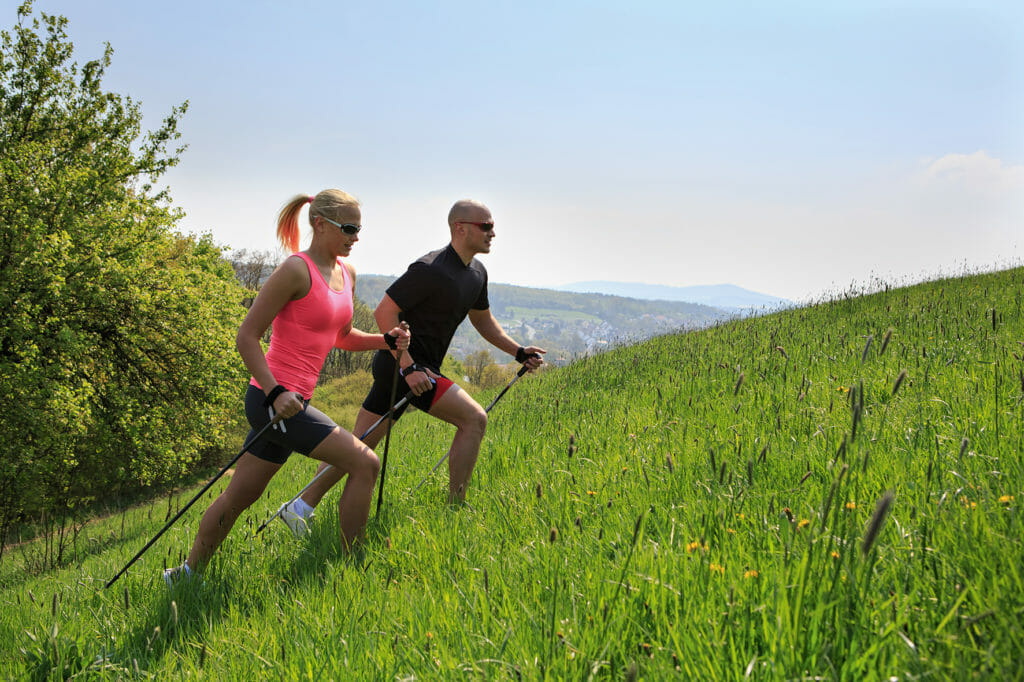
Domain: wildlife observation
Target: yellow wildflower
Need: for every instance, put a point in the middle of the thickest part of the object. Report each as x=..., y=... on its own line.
x=1006, y=499
x=851, y=505
x=717, y=567
x=835, y=554
x=730, y=531
x=750, y=574
x=803, y=524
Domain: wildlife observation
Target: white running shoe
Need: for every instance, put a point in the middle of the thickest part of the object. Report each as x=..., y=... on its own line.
x=175, y=575
x=298, y=525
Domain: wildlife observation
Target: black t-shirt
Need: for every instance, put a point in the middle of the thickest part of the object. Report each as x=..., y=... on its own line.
x=435, y=294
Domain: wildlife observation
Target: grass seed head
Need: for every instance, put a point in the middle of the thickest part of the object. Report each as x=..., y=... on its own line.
x=877, y=519
x=885, y=340
x=899, y=380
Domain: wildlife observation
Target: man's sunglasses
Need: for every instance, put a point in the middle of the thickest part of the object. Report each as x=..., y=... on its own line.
x=486, y=227
x=350, y=229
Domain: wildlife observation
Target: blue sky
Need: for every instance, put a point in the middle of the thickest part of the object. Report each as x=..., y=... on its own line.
x=791, y=148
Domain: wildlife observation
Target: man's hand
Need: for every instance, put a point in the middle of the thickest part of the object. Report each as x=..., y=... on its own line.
x=531, y=356
x=420, y=380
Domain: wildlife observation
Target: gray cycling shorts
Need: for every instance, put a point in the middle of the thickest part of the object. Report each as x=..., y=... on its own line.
x=303, y=433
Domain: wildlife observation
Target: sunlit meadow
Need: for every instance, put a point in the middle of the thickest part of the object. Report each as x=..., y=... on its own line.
x=827, y=492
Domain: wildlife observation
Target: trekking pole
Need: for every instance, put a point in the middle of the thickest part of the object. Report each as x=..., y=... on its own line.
x=387, y=434
x=520, y=373
x=206, y=487
x=323, y=471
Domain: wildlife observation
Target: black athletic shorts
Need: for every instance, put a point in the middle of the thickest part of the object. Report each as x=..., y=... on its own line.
x=380, y=393
x=302, y=432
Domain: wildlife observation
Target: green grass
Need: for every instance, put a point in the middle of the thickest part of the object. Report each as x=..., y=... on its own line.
x=695, y=506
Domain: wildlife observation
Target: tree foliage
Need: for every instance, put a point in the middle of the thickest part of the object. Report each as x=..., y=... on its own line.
x=117, y=358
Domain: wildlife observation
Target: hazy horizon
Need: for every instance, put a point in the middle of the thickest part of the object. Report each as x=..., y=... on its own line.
x=790, y=149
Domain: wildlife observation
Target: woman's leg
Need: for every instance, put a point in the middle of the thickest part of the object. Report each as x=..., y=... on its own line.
x=364, y=420
x=247, y=484
x=353, y=458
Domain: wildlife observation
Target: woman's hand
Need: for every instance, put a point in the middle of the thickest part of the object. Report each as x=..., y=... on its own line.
x=401, y=336
x=288, y=404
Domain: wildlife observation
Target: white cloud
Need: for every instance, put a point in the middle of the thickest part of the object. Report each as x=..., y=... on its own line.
x=977, y=174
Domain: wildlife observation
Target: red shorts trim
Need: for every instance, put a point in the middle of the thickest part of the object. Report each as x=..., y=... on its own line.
x=443, y=384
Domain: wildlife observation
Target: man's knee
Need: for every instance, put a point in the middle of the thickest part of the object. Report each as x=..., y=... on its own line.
x=476, y=421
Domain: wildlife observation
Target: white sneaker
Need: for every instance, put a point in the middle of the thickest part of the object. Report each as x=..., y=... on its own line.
x=173, y=576
x=296, y=523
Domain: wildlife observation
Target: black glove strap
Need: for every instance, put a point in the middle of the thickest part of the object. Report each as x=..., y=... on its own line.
x=272, y=396
x=391, y=341
x=414, y=367
x=521, y=355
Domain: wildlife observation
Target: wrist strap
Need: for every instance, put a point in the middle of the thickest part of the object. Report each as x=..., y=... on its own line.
x=521, y=355
x=272, y=396
x=391, y=341
x=414, y=367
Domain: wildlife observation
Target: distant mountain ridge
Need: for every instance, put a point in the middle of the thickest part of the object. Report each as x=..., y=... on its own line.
x=566, y=323
x=724, y=296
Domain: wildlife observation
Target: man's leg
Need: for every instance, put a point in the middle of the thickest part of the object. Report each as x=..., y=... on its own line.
x=470, y=420
x=364, y=420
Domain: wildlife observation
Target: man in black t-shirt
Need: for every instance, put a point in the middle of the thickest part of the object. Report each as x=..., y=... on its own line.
x=434, y=296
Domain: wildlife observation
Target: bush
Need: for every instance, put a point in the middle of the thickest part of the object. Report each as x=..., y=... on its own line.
x=117, y=359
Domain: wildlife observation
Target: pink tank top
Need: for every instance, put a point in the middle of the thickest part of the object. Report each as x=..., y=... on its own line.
x=306, y=329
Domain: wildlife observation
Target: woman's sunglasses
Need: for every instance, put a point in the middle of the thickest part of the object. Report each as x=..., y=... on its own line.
x=350, y=229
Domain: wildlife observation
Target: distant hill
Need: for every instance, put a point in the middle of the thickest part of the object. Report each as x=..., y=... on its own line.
x=566, y=324
x=725, y=296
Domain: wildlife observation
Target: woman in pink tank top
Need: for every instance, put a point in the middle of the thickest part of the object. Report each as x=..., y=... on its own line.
x=308, y=300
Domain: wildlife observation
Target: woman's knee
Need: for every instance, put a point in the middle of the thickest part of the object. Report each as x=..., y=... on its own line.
x=369, y=464
x=363, y=464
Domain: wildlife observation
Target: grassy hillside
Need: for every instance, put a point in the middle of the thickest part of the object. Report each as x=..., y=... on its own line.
x=829, y=492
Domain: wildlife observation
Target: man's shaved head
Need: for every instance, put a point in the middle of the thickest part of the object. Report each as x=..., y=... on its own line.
x=468, y=210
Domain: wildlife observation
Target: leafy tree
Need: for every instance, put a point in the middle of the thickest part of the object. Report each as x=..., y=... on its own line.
x=253, y=267
x=476, y=363
x=495, y=375
x=453, y=368
x=117, y=361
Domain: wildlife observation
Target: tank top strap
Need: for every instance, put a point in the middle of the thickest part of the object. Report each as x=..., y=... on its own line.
x=316, y=275
x=347, y=275
x=314, y=271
